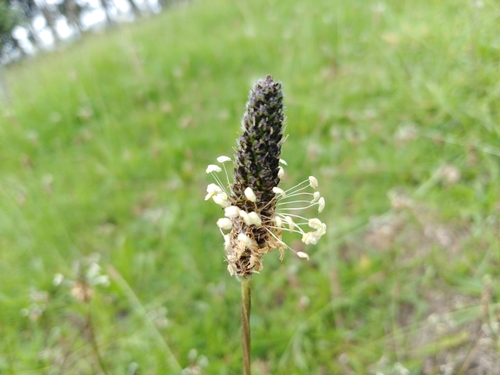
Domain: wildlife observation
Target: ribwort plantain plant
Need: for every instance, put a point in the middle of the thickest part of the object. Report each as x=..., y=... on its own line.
x=256, y=210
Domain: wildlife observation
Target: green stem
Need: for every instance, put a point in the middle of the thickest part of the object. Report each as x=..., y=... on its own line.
x=93, y=342
x=245, y=323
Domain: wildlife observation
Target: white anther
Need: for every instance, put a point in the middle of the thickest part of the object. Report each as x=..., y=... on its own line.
x=321, y=204
x=290, y=222
x=250, y=194
x=310, y=238
x=223, y=159
x=255, y=219
x=225, y=223
x=244, y=239
x=277, y=190
x=313, y=182
x=283, y=162
x=213, y=168
x=316, y=196
x=318, y=225
x=281, y=172
x=245, y=217
x=278, y=221
x=212, y=189
x=221, y=200
x=302, y=255
x=231, y=212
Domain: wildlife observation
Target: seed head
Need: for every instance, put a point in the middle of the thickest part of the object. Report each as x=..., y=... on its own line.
x=251, y=203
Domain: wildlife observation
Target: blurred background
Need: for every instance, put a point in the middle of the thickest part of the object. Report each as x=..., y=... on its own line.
x=110, y=260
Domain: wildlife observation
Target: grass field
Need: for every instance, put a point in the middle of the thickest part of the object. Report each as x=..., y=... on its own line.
x=393, y=106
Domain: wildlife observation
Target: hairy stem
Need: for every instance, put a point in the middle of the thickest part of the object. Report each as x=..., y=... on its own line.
x=245, y=323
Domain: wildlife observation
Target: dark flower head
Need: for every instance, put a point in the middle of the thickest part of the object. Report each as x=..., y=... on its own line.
x=250, y=202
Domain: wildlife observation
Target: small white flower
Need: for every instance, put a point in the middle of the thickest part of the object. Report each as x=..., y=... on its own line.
x=313, y=182
x=277, y=190
x=213, y=168
x=223, y=159
x=225, y=223
x=250, y=194
x=321, y=204
x=231, y=212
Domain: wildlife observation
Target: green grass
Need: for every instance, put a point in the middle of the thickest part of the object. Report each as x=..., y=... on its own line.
x=104, y=149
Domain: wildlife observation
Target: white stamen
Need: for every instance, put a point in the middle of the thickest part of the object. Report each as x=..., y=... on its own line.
x=281, y=172
x=255, y=218
x=250, y=194
x=321, y=204
x=213, y=168
x=283, y=162
x=277, y=190
x=231, y=212
x=221, y=200
x=318, y=225
x=245, y=217
x=290, y=222
x=225, y=223
x=313, y=182
x=278, y=221
x=212, y=189
x=316, y=196
x=310, y=238
x=223, y=159
x=302, y=255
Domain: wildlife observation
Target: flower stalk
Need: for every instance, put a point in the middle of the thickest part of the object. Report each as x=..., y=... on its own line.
x=245, y=324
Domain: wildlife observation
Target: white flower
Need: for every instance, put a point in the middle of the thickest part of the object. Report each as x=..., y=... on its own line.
x=225, y=223
x=313, y=182
x=223, y=159
x=250, y=194
x=231, y=212
x=213, y=168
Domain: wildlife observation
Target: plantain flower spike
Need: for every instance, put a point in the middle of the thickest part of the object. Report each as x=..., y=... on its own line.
x=255, y=207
